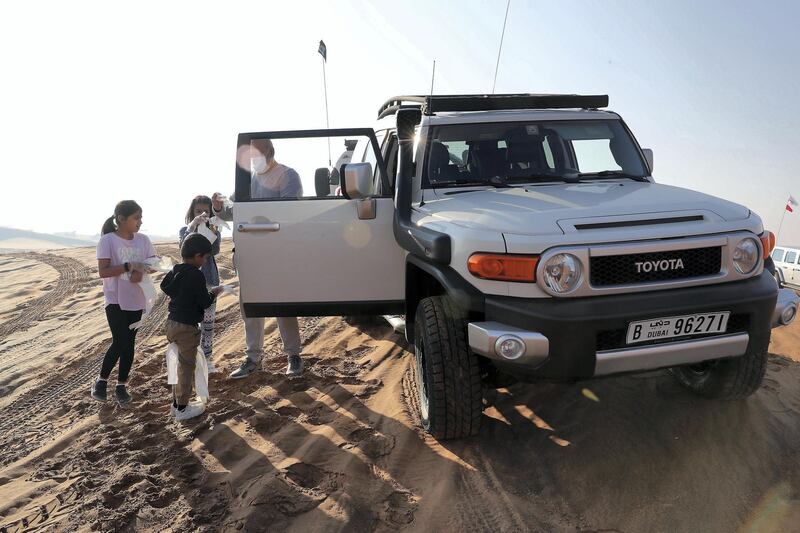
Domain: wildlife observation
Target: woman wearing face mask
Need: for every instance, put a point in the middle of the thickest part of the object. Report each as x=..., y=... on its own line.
x=197, y=221
x=121, y=255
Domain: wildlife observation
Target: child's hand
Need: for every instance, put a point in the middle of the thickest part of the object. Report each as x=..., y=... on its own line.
x=216, y=291
x=199, y=219
x=139, y=267
x=136, y=276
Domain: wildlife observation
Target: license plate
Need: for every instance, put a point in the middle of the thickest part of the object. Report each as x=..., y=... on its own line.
x=677, y=326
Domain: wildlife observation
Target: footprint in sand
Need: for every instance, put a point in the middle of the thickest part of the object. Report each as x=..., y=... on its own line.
x=313, y=478
x=289, y=411
x=267, y=423
x=293, y=491
x=398, y=509
x=370, y=442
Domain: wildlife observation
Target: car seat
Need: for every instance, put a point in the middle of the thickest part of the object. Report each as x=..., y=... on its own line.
x=439, y=168
x=486, y=160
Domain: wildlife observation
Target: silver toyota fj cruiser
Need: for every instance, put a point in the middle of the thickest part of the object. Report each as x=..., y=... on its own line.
x=519, y=235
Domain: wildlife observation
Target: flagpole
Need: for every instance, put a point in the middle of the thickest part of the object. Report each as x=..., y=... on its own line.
x=778, y=237
x=327, y=120
x=323, y=52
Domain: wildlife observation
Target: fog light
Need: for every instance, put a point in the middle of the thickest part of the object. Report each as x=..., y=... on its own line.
x=788, y=315
x=510, y=347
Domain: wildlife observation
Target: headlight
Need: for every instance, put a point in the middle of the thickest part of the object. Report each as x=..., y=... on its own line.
x=562, y=273
x=746, y=256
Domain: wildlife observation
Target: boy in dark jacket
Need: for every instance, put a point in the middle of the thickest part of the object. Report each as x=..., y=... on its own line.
x=186, y=287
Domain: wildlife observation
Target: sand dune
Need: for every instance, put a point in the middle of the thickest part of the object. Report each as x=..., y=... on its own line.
x=338, y=449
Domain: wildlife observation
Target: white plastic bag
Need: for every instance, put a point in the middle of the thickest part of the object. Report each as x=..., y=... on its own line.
x=218, y=222
x=203, y=230
x=160, y=264
x=172, y=363
x=200, y=371
x=201, y=377
x=149, y=291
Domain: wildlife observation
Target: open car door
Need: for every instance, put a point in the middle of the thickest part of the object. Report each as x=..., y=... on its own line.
x=314, y=254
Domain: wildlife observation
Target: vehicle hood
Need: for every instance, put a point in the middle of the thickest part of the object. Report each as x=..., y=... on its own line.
x=554, y=209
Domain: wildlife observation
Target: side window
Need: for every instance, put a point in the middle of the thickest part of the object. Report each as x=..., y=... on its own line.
x=459, y=151
x=791, y=257
x=369, y=154
x=389, y=152
x=297, y=166
x=778, y=254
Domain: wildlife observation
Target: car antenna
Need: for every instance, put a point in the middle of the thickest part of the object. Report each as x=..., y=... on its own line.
x=430, y=97
x=433, y=74
x=500, y=49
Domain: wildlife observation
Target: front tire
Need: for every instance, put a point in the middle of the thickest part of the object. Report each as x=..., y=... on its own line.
x=447, y=373
x=725, y=379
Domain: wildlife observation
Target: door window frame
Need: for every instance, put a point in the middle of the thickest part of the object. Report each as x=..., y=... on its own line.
x=243, y=176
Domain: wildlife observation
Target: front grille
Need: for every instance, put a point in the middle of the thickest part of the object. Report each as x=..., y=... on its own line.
x=656, y=266
x=614, y=339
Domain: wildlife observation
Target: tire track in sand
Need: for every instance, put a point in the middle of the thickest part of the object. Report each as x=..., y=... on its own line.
x=22, y=429
x=71, y=275
x=23, y=424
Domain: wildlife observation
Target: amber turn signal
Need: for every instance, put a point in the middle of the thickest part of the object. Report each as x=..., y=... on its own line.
x=503, y=267
x=767, y=243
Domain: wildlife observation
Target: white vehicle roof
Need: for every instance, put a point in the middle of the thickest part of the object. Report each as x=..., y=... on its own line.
x=466, y=117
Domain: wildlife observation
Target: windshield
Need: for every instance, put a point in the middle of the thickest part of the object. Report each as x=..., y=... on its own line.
x=504, y=153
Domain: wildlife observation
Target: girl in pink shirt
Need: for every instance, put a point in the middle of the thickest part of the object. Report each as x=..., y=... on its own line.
x=121, y=255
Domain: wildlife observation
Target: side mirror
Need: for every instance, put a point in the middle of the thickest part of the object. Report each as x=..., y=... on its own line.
x=358, y=180
x=322, y=182
x=648, y=155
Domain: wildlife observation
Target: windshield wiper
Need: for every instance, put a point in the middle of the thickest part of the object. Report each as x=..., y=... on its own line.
x=612, y=174
x=459, y=183
x=569, y=178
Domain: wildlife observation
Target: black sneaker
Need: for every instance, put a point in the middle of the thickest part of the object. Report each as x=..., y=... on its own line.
x=99, y=390
x=123, y=397
x=294, y=366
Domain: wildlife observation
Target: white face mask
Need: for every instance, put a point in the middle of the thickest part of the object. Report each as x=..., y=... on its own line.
x=258, y=164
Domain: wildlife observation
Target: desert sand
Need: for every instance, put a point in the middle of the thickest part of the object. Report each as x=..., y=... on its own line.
x=338, y=449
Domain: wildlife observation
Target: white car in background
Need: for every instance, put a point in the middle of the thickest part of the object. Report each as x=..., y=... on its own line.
x=787, y=266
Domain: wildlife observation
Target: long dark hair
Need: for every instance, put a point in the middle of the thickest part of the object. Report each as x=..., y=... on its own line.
x=123, y=209
x=200, y=199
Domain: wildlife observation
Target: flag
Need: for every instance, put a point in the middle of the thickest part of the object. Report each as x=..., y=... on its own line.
x=323, y=51
x=791, y=203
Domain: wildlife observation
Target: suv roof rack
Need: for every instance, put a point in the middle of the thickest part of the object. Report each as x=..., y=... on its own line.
x=493, y=102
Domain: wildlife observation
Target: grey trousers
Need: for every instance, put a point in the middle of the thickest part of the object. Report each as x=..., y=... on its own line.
x=254, y=332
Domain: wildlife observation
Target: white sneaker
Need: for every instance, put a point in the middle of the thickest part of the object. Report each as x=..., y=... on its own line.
x=192, y=410
x=211, y=368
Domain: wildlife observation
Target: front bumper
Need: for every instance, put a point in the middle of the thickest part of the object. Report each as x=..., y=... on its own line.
x=582, y=338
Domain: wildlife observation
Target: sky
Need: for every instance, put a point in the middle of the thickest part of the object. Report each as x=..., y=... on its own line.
x=104, y=101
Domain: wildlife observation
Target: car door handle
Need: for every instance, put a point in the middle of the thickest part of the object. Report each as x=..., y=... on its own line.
x=270, y=226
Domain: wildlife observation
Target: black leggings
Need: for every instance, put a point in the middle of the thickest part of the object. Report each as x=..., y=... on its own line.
x=123, y=341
